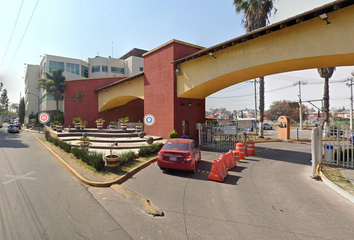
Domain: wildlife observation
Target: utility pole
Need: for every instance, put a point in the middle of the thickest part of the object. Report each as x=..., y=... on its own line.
x=255, y=101
x=300, y=103
x=351, y=101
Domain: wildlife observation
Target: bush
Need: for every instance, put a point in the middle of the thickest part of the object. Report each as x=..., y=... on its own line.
x=173, y=134
x=65, y=146
x=157, y=147
x=93, y=159
x=151, y=149
x=126, y=157
x=60, y=119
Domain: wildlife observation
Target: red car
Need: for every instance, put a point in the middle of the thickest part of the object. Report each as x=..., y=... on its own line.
x=180, y=154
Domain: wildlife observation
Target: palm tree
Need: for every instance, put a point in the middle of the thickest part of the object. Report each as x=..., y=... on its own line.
x=326, y=73
x=54, y=84
x=255, y=15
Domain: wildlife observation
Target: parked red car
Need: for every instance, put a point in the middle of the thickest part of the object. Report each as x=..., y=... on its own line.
x=180, y=154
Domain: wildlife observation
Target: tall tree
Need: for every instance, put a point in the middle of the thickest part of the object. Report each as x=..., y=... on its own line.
x=22, y=110
x=4, y=100
x=326, y=73
x=54, y=84
x=256, y=14
x=14, y=107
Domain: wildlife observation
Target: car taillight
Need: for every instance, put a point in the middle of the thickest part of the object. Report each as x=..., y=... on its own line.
x=160, y=155
x=188, y=158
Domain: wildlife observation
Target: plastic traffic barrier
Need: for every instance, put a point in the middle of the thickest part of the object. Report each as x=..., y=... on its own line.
x=233, y=159
x=236, y=154
x=218, y=171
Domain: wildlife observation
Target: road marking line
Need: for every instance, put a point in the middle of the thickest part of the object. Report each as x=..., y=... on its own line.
x=19, y=177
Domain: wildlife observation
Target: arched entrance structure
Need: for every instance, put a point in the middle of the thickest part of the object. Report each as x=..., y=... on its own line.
x=178, y=75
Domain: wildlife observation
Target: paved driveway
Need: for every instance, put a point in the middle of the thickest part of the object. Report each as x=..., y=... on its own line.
x=270, y=196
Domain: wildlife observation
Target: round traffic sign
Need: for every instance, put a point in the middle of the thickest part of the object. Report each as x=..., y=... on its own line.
x=149, y=119
x=44, y=117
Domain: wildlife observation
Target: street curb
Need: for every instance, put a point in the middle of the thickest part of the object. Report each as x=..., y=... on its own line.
x=98, y=184
x=337, y=189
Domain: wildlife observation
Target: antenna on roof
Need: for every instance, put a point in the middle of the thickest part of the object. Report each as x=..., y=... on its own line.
x=98, y=53
x=112, y=49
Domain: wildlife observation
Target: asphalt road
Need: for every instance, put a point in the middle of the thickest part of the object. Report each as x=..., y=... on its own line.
x=40, y=199
x=270, y=196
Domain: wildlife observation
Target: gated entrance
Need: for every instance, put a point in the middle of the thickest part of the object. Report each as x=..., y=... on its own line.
x=221, y=137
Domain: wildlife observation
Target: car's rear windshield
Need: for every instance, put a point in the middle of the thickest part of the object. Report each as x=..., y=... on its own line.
x=176, y=146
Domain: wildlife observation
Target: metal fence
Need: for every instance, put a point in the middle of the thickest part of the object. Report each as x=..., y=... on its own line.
x=219, y=137
x=338, y=146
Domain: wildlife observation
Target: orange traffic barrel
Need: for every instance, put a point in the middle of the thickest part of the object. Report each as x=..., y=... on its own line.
x=240, y=148
x=250, y=148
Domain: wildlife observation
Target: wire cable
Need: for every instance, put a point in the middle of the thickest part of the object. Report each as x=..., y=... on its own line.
x=21, y=39
x=13, y=30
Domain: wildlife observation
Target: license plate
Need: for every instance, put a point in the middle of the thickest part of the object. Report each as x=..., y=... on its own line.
x=173, y=158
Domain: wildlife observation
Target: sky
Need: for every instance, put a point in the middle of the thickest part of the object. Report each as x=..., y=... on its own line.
x=87, y=28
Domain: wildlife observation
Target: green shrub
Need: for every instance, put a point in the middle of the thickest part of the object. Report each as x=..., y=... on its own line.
x=157, y=147
x=173, y=134
x=47, y=136
x=60, y=119
x=65, y=146
x=126, y=157
x=151, y=149
x=144, y=151
x=93, y=159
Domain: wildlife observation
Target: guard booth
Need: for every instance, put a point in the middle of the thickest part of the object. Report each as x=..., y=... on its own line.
x=283, y=127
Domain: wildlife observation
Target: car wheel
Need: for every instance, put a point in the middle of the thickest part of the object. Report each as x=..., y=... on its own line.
x=162, y=168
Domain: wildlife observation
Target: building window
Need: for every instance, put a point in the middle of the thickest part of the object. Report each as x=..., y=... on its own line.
x=104, y=69
x=117, y=70
x=73, y=68
x=56, y=66
x=96, y=69
x=84, y=71
x=141, y=69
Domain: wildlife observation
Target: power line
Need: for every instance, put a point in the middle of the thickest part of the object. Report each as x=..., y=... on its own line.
x=13, y=30
x=21, y=39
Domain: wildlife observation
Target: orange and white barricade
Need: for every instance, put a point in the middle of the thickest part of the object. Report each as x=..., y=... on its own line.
x=251, y=151
x=240, y=148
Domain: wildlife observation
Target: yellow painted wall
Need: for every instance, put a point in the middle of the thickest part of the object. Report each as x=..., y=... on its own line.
x=121, y=94
x=310, y=44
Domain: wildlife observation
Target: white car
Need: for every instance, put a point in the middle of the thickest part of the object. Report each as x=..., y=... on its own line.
x=267, y=126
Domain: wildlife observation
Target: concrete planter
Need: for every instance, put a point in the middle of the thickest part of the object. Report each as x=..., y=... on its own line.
x=139, y=128
x=59, y=128
x=124, y=126
x=112, y=126
x=112, y=163
x=77, y=126
x=99, y=125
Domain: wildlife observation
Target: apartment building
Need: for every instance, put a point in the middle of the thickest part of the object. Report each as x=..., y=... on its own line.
x=98, y=67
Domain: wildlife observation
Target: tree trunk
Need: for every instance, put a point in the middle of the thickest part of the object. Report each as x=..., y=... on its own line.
x=326, y=102
x=57, y=102
x=261, y=105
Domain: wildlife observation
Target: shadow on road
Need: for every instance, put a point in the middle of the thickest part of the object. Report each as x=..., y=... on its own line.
x=284, y=155
x=12, y=140
x=203, y=169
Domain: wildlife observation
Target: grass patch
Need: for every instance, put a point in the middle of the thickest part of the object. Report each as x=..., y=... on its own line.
x=334, y=175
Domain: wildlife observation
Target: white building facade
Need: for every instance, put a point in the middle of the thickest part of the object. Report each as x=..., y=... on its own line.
x=98, y=67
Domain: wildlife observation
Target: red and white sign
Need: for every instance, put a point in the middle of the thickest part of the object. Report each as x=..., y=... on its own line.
x=44, y=117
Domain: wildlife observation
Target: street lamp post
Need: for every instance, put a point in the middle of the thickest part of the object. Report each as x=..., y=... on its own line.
x=351, y=102
x=39, y=129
